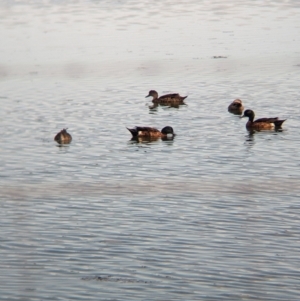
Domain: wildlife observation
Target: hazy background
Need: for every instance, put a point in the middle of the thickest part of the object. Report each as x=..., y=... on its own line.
x=211, y=215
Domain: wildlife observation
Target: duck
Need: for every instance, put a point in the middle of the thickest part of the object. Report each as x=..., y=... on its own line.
x=167, y=99
x=236, y=107
x=261, y=123
x=150, y=132
x=63, y=137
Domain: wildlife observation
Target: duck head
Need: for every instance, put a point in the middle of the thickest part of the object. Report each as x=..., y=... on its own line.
x=168, y=130
x=249, y=114
x=237, y=103
x=153, y=93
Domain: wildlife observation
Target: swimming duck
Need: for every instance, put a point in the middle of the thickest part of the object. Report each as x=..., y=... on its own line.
x=261, y=123
x=149, y=132
x=174, y=98
x=236, y=107
x=63, y=137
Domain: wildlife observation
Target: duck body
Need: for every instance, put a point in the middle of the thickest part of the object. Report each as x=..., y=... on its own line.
x=63, y=137
x=261, y=123
x=167, y=99
x=150, y=132
x=236, y=107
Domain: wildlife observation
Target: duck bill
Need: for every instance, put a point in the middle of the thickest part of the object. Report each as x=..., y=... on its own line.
x=243, y=116
x=147, y=96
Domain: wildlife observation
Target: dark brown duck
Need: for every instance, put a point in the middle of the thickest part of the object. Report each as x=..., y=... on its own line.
x=63, y=137
x=150, y=132
x=262, y=123
x=174, y=98
x=236, y=107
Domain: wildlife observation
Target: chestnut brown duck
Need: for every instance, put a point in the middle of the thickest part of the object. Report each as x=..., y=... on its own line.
x=261, y=123
x=63, y=137
x=236, y=107
x=167, y=99
x=150, y=132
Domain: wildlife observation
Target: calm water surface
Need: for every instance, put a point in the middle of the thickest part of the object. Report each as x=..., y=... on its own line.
x=211, y=215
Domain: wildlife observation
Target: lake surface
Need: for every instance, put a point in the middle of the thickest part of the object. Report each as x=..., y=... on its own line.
x=213, y=214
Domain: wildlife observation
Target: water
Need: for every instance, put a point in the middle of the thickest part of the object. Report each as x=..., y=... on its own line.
x=210, y=215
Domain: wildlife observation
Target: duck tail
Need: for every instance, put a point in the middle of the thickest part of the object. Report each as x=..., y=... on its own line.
x=184, y=97
x=133, y=132
x=278, y=123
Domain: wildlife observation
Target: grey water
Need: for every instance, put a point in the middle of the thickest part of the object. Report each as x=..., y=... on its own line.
x=212, y=214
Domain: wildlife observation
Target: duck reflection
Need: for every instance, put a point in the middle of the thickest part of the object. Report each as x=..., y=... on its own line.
x=249, y=141
x=148, y=140
x=169, y=105
x=251, y=134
